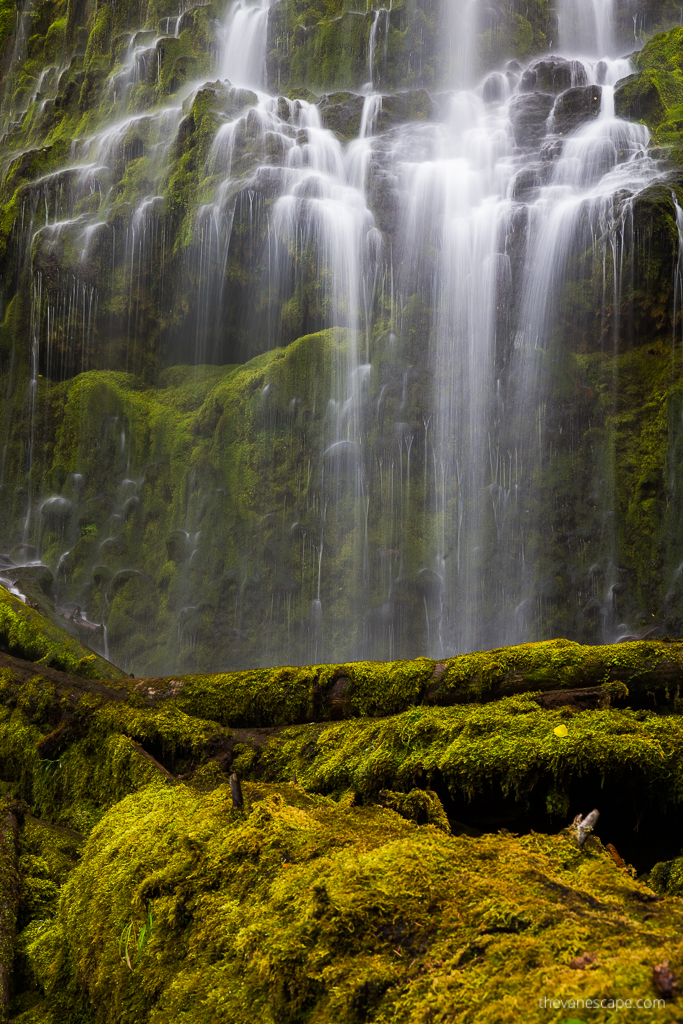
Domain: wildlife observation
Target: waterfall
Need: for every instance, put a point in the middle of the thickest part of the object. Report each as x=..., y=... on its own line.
x=436, y=246
x=586, y=27
x=244, y=49
x=464, y=181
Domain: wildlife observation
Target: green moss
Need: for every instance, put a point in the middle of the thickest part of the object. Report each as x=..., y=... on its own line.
x=352, y=912
x=7, y=20
x=666, y=877
x=74, y=787
x=508, y=747
x=28, y=635
x=419, y=805
x=654, y=94
x=275, y=696
x=102, y=748
x=362, y=908
x=48, y=855
x=235, y=458
x=640, y=97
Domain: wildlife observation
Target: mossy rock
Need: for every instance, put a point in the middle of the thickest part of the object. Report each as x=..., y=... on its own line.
x=654, y=93
x=341, y=112
x=639, y=98
x=27, y=634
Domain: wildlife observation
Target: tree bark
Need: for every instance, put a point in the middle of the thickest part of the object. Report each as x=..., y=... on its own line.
x=10, y=890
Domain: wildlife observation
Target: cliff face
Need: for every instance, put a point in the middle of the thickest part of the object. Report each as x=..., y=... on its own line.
x=226, y=424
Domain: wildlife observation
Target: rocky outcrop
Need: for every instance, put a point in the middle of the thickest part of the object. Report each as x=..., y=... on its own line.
x=553, y=75
x=529, y=114
x=576, y=106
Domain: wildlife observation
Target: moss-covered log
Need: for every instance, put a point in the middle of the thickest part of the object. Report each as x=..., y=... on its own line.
x=641, y=673
x=10, y=890
x=644, y=673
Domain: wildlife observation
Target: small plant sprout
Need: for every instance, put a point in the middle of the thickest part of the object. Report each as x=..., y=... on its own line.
x=133, y=939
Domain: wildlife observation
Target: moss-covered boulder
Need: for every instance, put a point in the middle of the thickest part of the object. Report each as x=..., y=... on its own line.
x=655, y=93
x=639, y=97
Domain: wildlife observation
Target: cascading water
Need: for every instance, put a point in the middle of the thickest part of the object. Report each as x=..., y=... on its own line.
x=586, y=27
x=435, y=236
x=244, y=49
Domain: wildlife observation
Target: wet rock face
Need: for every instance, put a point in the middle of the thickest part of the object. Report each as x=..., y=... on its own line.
x=157, y=285
x=178, y=546
x=28, y=577
x=402, y=107
x=554, y=74
x=529, y=114
x=495, y=88
x=551, y=149
x=575, y=106
x=549, y=76
x=342, y=113
x=525, y=184
x=384, y=198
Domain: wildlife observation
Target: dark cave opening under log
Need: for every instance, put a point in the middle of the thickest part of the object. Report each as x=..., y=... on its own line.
x=631, y=818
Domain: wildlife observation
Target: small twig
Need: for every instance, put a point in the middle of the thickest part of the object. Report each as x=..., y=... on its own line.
x=583, y=827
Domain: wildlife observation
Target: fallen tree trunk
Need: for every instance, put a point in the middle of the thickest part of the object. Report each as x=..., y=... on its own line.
x=70, y=687
x=644, y=673
x=647, y=673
